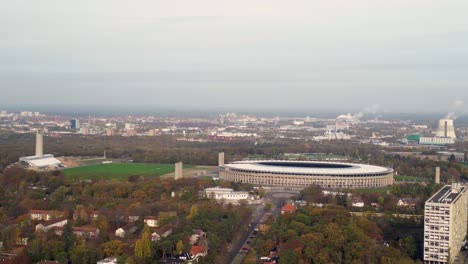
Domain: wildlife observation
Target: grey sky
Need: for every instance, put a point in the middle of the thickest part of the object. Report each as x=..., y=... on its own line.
x=330, y=55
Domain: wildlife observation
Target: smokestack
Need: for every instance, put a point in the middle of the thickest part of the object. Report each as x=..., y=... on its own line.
x=446, y=129
x=221, y=159
x=39, y=143
x=437, y=175
x=178, y=170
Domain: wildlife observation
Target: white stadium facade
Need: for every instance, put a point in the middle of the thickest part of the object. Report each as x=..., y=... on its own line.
x=300, y=174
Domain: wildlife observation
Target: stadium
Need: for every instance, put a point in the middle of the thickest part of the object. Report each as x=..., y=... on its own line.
x=300, y=174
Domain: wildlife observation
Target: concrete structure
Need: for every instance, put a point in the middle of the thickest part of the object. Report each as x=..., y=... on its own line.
x=445, y=224
x=226, y=194
x=39, y=143
x=446, y=129
x=437, y=175
x=221, y=159
x=40, y=160
x=178, y=170
x=300, y=174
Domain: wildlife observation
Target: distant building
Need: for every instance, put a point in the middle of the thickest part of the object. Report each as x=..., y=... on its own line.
x=84, y=131
x=153, y=132
x=446, y=129
x=445, y=224
x=436, y=140
x=75, y=124
x=110, y=132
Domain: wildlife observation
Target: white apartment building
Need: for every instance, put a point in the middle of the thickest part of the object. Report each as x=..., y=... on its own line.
x=445, y=224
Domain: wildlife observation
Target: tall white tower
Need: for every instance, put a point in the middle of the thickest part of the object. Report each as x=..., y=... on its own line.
x=39, y=143
x=178, y=170
x=446, y=128
x=221, y=159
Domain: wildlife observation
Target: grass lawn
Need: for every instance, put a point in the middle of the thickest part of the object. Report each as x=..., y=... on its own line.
x=381, y=190
x=409, y=178
x=119, y=171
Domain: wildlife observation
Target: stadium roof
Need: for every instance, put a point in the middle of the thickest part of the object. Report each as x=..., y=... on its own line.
x=41, y=162
x=307, y=167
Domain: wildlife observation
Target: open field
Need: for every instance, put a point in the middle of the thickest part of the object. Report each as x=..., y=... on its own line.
x=119, y=171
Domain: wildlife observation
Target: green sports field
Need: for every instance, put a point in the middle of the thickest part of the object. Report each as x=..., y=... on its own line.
x=119, y=171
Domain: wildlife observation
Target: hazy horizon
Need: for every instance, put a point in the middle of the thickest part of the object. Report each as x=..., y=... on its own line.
x=330, y=56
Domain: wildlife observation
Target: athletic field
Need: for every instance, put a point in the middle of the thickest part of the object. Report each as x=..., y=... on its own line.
x=120, y=171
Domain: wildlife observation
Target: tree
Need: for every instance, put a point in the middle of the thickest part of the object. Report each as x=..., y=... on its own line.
x=80, y=254
x=143, y=247
x=193, y=212
x=113, y=248
x=81, y=215
x=288, y=256
x=179, y=246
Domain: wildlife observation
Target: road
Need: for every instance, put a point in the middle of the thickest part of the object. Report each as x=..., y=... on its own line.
x=277, y=199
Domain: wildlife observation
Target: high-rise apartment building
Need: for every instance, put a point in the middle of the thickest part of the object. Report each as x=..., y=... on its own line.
x=445, y=224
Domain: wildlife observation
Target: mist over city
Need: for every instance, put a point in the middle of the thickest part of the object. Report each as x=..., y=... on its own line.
x=243, y=132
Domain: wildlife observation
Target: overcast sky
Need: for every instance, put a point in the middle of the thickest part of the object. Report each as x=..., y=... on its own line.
x=398, y=55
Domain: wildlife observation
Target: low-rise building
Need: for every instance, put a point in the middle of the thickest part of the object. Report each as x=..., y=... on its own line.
x=160, y=233
x=288, y=208
x=151, y=221
x=226, y=194
x=126, y=230
x=44, y=215
x=47, y=225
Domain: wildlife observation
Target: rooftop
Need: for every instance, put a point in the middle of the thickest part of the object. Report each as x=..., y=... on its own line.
x=307, y=167
x=448, y=194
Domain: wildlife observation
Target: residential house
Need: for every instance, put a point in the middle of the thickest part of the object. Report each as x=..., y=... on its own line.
x=160, y=233
x=151, y=221
x=47, y=225
x=90, y=232
x=357, y=202
x=196, y=235
x=108, y=261
x=198, y=251
x=288, y=208
x=44, y=215
x=408, y=202
x=92, y=215
x=126, y=230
